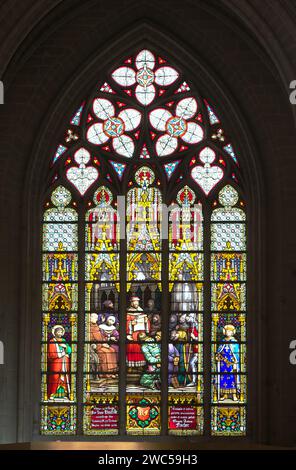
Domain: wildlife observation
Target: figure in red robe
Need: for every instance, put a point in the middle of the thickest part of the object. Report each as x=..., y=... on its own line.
x=136, y=322
x=58, y=366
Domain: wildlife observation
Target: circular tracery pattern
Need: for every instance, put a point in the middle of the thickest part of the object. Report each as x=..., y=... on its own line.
x=125, y=120
x=145, y=77
x=114, y=127
x=176, y=126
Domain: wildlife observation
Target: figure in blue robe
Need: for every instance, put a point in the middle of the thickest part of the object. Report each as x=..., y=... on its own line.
x=228, y=366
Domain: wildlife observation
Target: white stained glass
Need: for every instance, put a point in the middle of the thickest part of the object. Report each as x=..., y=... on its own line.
x=186, y=108
x=131, y=118
x=165, y=76
x=230, y=214
x=54, y=234
x=145, y=58
x=159, y=117
x=228, y=196
x=82, y=156
x=61, y=197
x=60, y=215
x=82, y=178
x=124, y=76
x=145, y=95
x=166, y=145
x=96, y=135
x=124, y=146
x=207, y=177
x=103, y=108
x=228, y=237
x=207, y=155
x=194, y=133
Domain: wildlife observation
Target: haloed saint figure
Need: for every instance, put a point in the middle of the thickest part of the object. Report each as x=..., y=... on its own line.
x=228, y=361
x=58, y=366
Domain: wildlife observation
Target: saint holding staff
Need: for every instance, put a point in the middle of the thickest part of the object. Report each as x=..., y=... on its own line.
x=58, y=366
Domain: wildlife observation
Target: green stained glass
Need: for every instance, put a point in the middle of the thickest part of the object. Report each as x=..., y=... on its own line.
x=143, y=415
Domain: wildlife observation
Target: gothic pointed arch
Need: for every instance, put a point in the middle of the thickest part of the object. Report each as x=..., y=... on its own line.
x=138, y=303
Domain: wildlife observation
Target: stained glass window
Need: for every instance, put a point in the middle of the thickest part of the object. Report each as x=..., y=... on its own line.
x=59, y=318
x=144, y=262
x=143, y=318
x=101, y=349
x=185, y=348
x=228, y=307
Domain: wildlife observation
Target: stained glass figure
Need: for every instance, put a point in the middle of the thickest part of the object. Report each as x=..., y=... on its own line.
x=102, y=320
x=185, y=357
x=143, y=318
x=59, y=321
x=228, y=276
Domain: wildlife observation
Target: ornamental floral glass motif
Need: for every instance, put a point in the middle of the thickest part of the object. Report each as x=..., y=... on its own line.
x=132, y=289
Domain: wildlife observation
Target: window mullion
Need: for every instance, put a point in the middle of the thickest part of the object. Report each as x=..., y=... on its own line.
x=165, y=336
x=81, y=316
x=122, y=329
x=207, y=322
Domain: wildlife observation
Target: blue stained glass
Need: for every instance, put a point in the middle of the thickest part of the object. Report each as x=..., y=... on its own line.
x=119, y=168
x=212, y=116
x=77, y=116
x=229, y=149
x=170, y=168
x=60, y=150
